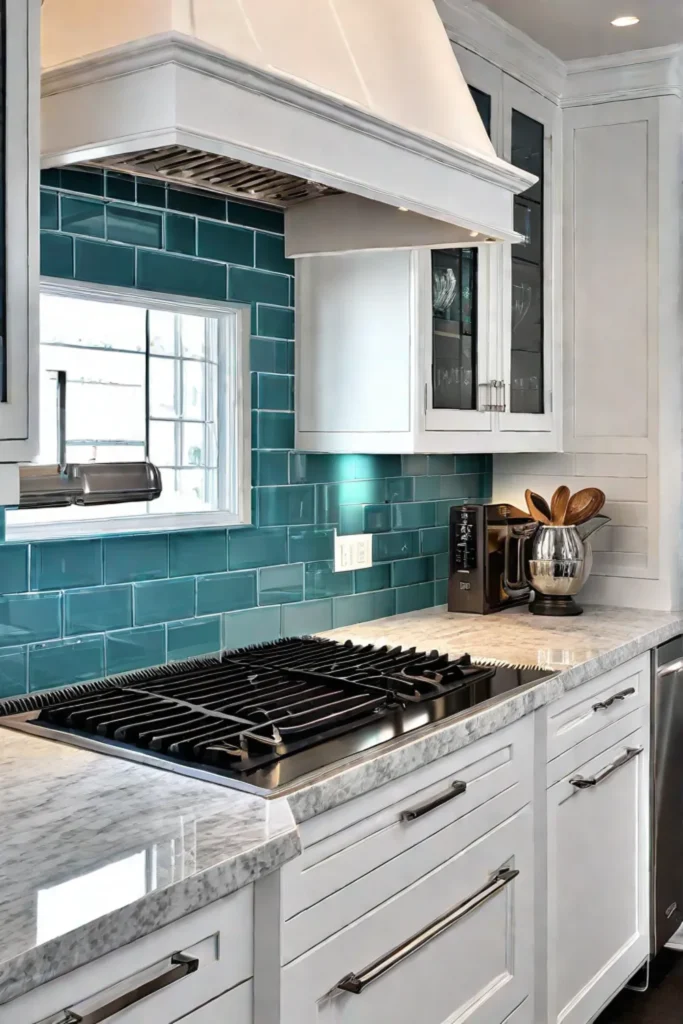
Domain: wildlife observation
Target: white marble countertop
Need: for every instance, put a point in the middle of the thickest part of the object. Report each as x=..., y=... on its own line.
x=96, y=852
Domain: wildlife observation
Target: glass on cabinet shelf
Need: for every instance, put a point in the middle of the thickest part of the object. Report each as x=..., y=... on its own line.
x=454, y=335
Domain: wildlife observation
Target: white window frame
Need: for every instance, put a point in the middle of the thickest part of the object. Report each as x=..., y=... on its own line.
x=234, y=327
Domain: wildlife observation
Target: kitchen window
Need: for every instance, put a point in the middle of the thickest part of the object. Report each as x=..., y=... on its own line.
x=147, y=377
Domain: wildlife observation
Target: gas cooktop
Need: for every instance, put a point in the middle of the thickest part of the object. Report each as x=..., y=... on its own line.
x=263, y=718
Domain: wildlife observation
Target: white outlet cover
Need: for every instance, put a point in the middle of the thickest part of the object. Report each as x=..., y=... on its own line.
x=352, y=552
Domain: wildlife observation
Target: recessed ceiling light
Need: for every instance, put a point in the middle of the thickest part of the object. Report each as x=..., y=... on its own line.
x=474, y=234
x=625, y=21
x=403, y=209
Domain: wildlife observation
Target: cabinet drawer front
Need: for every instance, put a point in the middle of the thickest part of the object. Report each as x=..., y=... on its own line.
x=233, y=1007
x=589, y=708
x=479, y=966
x=142, y=976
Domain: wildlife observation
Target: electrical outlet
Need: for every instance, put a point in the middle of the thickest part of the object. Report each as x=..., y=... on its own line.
x=352, y=552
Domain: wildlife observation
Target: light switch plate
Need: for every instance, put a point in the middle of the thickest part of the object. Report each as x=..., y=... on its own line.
x=352, y=552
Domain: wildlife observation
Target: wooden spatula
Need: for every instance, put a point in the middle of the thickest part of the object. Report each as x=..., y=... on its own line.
x=538, y=507
x=558, y=505
x=584, y=505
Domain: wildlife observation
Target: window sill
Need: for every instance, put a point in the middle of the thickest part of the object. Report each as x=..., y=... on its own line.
x=162, y=523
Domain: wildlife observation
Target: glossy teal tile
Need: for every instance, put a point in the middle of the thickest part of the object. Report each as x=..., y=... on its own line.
x=329, y=497
x=410, y=599
x=440, y=464
x=75, y=179
x=276, y=429
x=323, y=581
x=13, y=568
x=164, y=600
x=274, y=322
x=467, y=485
x=256, y=217
x=310, y=544
x=351, y=519
x=441, y=566
x=400, y=488
x=225, y=592
x=250, y=548
x=275, y=391
x=258, y=286
x=82, y=216
x=281, y=584
x=13, y=671
x=270, y=356
x=197, y=551
x=225, y=243
x=103, y=263
x=376, y=518
x=472, y=463
x=443, y=510
x=129, y=649
x=119, y=186
x=308, y=617
x=49, y=210
x=412, y=570
x=363, y=607
x=270, y=254
x=414, y=465
x=180, y=275
x=314, y=468
x=412, y=515
x=56, y=255
x=427, y=488
x=27, y=618
x=181, y=234
x=134, y=226
x=149, y=194
x=378, y=577
x=136, y=558
x=286, y=506
x=98, y=609
x=64, y=662
x=200, y=203
x=434, y=542
x=269, y=468
x=376, y=467
x=252, y=626
x=66, y=563
x=441, y=592
x=194, y=638
x=388, y=546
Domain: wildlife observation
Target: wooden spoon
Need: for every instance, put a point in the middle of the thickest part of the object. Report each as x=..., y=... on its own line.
x=558, y=505
x=538, y=507
x=584, y=505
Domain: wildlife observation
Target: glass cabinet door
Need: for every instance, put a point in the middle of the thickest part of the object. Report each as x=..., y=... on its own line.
x=454, y=329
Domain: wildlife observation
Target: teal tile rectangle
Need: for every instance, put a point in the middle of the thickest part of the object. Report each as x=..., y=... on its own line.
x=225, y=592
x=376, y=518
x=400, y=488
x=134, y=226
x=270, y=254
x=164, y=600
x=412, y=570
x=314, y=468
x=256, y=217
x=150, y=194
x=257, y=286
x=286, y=506
x=271, y=356
x=281, y=584
x=225, y=243
x=466, y=485
x=180, y=275
x=269, y=468
x=310, y=544
x=441, y=592
x=414, y=465
x=27, y=618
x=129, y=649
x=428, y=488
x=323, y=581
x=276, y=429
x=197, y=551
x=308, y=617
x=98, y=609
x=103, y=263
x=435, y=541
x=414, y=514
x=127, y=559
x=275, y=322
x=251, y=548
x=82, y=216
x=351, y=519
x=201, y=204
x=440, y=464
x=13, y=568
x=441, y=566
x=329, y=497
x=181, y=234
x=378, y=577
x=119, y=186
x=13, y=669
x=56, y=254
x=443, y=511
x=76, y=179
x=363, y=607
x=66, y=563
x=377, y=467
x=472, y=463
x=64, y=662
x=49, y=210
x=410, y=599
x=194, y=638
x=252, y=626
x=389, y=546
x=275, y=391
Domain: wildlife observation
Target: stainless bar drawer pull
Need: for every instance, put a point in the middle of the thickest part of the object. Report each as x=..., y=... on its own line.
x=355, y=983
x=602, y=705
x=579, y=782
x=181, y=966
x=456, y=789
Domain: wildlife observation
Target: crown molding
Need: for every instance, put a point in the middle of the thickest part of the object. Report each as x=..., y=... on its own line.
x=636, y=74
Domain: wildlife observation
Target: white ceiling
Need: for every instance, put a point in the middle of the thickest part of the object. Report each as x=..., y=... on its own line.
x=581, y=28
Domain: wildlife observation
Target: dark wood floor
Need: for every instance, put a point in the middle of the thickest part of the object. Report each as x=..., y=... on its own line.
x=661, y=1004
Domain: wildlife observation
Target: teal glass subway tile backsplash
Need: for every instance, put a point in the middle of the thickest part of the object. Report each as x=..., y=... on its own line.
x=73, y=610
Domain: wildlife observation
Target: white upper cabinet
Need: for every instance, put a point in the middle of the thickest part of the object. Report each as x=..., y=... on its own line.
x=419, y=350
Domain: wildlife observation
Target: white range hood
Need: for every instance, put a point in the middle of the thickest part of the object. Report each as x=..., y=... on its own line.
x=351, y=114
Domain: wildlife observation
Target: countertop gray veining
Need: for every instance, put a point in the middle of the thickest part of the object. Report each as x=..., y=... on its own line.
x=96, y=851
